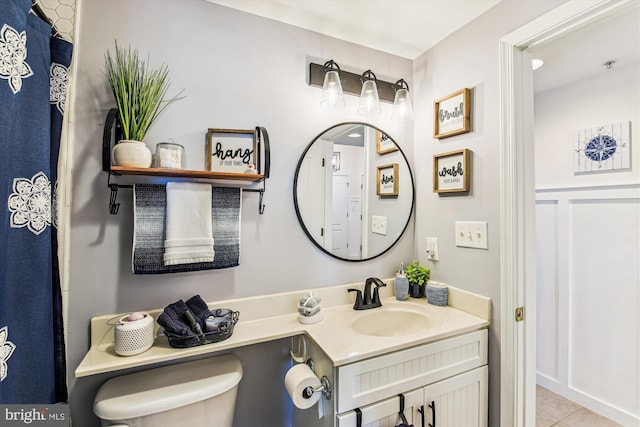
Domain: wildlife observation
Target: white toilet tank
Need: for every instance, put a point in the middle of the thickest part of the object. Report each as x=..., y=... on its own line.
x=199, y=393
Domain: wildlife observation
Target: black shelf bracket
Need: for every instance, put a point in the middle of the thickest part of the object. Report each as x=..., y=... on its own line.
x=114, y=206
x=262, y=138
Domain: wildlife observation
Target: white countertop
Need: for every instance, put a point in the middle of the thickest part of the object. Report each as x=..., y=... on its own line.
x=333, y=334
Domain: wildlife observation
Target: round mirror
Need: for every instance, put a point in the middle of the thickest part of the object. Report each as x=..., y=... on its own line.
x=353, y=191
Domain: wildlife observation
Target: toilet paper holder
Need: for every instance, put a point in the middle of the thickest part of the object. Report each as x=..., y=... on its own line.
x=325, y=389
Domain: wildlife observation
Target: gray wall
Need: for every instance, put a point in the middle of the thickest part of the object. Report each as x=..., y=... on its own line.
x=238, y=71
x=468, y=58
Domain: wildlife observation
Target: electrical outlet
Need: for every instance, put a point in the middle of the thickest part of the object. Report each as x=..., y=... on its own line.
x=432, y=249
x=471, y=234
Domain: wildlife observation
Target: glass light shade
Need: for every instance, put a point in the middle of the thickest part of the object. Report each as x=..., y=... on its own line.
x=402, y=109
x=369, y=102
x=332, y=96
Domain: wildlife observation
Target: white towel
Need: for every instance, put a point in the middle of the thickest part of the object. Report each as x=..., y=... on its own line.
x=189, y=235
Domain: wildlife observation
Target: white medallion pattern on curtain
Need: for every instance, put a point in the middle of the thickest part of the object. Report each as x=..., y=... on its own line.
x=30, y=203
x=59, y=81
x=13, y=55
x=6, y=350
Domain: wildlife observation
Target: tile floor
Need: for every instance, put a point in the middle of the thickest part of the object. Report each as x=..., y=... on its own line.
x=556, y=411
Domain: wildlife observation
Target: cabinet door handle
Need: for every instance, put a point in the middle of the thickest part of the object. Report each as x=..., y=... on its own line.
x=358, y=417
x=421, y=410
x=432, y=405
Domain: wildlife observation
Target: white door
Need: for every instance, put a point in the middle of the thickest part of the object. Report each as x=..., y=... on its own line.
x=311, y=191
x=340, y=216
x=355, y=228
x=459, y=401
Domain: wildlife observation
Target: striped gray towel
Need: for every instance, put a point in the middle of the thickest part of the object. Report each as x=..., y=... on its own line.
x=150, y=202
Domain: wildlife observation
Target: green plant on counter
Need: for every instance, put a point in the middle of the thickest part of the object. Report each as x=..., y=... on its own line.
x=417, y=274
x=140, y=92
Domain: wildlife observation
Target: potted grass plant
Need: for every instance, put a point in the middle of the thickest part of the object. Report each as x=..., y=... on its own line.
x=141, y=96
x=417, y=276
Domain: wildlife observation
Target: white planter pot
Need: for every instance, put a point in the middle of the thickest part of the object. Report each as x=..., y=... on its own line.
x=133, y=154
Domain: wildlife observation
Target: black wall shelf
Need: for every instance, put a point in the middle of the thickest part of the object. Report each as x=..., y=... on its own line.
x=112, y=134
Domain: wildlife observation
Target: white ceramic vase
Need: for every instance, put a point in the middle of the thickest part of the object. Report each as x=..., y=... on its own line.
x=132, y=154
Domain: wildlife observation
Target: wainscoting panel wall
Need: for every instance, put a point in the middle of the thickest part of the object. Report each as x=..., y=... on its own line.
x=588, y=297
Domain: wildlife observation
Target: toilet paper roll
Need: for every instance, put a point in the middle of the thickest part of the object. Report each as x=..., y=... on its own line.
x=297, y=379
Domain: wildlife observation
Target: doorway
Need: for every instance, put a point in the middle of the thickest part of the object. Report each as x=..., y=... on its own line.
x=581, y=96
x=517, y=194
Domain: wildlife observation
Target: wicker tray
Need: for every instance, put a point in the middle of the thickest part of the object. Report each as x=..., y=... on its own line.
x=179, y=341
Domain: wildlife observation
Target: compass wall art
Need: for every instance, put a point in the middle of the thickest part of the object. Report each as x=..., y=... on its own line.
x=603, y=148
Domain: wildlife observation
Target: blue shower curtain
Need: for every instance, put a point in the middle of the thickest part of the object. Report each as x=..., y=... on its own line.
x=33, y=79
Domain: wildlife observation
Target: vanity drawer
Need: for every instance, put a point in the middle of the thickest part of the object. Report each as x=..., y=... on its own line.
x=386, y=412
x=378, y=378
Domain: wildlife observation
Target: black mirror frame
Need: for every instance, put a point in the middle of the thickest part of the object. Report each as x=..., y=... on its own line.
x=297, y=207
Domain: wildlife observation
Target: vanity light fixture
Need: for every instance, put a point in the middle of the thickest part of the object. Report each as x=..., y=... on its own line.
x=402, y=109
x=331, y=78
x=332, y=96
x=369, y=101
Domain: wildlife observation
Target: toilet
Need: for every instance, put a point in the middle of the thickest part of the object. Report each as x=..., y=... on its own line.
x=199, y=393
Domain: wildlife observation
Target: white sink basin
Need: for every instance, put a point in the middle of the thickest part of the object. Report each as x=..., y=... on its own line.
x=392, y=321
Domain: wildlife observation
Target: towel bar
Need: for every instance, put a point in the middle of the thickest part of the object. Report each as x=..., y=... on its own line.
x=114, y=206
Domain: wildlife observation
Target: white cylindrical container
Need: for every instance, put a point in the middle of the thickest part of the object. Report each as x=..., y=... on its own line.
x=133, y=336
x=170, y=155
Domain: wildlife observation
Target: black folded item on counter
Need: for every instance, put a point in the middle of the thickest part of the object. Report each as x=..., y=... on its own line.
x=173, y=321
x=199, y=308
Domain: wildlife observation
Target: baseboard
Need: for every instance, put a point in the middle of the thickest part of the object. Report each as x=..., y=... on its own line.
x=589, y=402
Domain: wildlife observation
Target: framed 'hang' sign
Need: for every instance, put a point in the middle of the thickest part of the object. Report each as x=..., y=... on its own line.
x=231, y=150
x=452, y=114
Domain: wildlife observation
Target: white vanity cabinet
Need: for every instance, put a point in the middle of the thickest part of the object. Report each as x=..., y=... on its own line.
x=457, y=401
x=450, y=375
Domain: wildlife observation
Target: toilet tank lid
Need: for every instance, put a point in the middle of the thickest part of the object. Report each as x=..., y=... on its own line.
x=169, y=387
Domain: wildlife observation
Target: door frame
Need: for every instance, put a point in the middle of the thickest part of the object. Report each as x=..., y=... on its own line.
x=517, y=202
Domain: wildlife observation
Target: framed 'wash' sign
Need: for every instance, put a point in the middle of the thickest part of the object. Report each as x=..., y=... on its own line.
x=231, y=150
x=451, y=172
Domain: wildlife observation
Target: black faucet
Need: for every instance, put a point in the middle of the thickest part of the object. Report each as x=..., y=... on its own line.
x=371, y=299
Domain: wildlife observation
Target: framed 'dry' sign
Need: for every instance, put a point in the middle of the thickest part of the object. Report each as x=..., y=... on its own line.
x=451, y=171
x=231, y=150
x=452, y=114
x=387, y=180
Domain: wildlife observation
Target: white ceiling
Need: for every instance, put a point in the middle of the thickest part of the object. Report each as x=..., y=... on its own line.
x=406, y=28
x=581, y=53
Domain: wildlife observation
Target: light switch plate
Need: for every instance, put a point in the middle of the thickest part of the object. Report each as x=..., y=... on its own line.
x=471, y=234
x=379, y=224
